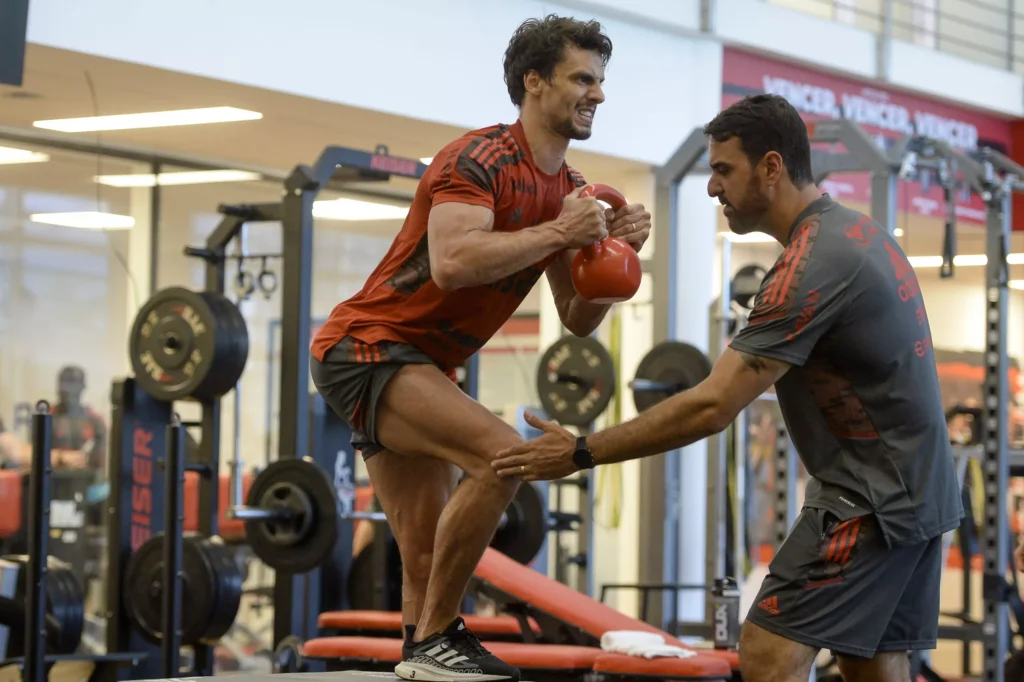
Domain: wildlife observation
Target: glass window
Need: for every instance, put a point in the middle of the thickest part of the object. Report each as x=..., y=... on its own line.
x=65, y=291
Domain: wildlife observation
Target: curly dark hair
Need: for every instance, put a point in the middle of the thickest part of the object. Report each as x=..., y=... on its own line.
x=537, y=45
x=767, y=123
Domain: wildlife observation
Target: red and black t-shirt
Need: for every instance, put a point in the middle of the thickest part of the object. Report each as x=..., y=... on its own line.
x=491, y=167
x=862, y=404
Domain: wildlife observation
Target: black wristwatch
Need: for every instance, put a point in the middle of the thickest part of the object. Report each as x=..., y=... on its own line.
x=582, y=457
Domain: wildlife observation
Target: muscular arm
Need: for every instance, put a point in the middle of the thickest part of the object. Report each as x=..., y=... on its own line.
x=736, y=380
x=579, y=316
x=465, y=251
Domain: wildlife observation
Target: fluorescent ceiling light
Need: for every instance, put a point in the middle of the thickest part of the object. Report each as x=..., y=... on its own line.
x=963, y=260
x=898, y=232
x=355, y=210
x=425, y=160
x=153, y=119
x=10, y=155
x=1016, y=284
x=87, y=220
x=180, y=178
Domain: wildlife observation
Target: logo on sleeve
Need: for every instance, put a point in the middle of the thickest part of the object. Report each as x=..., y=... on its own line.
x=861, y=232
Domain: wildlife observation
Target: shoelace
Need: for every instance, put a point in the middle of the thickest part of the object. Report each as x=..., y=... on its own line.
x=467, y=644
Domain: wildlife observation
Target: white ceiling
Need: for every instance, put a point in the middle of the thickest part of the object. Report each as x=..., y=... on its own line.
x=293, y=129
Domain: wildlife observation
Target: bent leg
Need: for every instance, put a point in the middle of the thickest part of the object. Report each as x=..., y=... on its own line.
x=423, y=413
x=893, y=666
x=412, y=492
x=767, y=657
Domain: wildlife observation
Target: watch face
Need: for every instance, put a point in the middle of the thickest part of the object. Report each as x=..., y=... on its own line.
x=582, y=459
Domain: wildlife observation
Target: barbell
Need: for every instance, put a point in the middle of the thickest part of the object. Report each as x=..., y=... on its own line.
x=292, y=514
x=576, y=377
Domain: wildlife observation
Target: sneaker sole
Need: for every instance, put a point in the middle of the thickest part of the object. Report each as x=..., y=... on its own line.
x=426, y=673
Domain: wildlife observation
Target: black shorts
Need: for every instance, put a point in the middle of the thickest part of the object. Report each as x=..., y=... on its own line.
x=838, y=585
x=352, y=377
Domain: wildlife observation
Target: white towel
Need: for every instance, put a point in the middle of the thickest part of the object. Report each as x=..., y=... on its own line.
x=641, y=643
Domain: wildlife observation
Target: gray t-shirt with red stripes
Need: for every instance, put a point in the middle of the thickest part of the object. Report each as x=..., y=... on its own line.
x=862, y=405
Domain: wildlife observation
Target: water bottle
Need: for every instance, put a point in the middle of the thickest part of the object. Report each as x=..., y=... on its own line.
x=725, y=613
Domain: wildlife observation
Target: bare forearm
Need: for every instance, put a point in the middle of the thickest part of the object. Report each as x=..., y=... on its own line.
x=674, y=423
x=582, y=317
x=483, y=257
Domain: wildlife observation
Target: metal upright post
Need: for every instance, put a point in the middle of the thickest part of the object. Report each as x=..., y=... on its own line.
x=995, y=528
x=38, y=536
x=715, y=540
x=785, y=492
x=174, y=498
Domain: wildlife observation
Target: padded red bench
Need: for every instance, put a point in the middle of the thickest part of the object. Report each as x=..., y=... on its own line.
x=538, y=662
x=564, y=614
x=569, y=619
x=389, y=623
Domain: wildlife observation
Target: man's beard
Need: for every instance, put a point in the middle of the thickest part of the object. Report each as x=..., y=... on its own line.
x=748, y=213
x=569, y=130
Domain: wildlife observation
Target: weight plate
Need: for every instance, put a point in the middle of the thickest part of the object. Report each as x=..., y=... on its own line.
x=238, y=332
x=187, y=344
x=525, y=529
x=65, y=601
x=144, y=590
x=575, y=380
x=668, y=368
x=305, y=540
x=222, y=562
x=745, y=284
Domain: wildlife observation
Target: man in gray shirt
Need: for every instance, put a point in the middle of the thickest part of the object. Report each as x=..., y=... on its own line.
x=840, y=328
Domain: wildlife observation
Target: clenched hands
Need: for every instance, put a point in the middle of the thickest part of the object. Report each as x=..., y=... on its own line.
x=631, y=224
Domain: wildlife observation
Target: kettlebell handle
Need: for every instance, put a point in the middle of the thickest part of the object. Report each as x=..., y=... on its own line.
x=608, y=195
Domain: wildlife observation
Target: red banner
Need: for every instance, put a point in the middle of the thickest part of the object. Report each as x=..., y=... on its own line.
x=885, y=114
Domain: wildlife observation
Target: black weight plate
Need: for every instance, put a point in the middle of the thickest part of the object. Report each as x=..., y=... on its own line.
x=173, y=343
x=575, y=380
x=73, y=628
x=236, y=353
x=302, y=544
x=187, y=344
x=143, y=590
x=745, y=284
x=222, y=563
x=525, y=529
x=675, y=366
x=65, y=602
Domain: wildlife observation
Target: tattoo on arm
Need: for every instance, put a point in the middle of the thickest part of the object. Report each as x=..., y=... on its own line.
x=754, y=362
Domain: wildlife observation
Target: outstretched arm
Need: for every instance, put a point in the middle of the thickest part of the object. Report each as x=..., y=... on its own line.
x=736, y=380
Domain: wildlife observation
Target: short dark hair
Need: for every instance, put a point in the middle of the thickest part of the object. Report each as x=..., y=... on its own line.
x=538, y=44
x=767, y=123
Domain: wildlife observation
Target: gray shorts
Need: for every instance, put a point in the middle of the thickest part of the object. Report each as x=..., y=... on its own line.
x=838, y=585
x=352, y=377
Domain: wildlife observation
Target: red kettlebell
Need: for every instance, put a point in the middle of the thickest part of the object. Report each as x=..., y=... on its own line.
x=607, y=271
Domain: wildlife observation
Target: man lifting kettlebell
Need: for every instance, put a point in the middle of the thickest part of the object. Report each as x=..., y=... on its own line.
x=496, y=209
